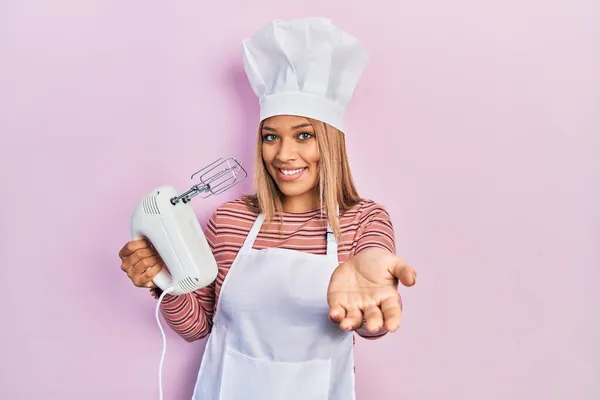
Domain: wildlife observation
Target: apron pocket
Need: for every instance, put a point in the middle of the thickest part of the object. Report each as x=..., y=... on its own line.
x=247, y=378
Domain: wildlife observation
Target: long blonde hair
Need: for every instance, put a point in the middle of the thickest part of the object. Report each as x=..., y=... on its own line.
x=335, y=185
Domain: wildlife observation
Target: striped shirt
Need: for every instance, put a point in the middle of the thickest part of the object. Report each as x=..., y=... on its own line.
x=367, y=224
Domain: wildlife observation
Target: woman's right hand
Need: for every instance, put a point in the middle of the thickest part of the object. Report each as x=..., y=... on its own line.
x=141, y=262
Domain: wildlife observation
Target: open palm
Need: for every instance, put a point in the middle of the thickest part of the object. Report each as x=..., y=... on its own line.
x=365, y=290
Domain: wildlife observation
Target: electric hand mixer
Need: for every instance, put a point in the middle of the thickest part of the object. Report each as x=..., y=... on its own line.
x=169, y=222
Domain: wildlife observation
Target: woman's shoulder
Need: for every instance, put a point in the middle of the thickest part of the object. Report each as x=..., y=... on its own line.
x=236, y=211
x=366, y=224
x=364, y=208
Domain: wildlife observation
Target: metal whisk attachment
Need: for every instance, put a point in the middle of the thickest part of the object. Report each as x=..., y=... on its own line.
x=215, y=178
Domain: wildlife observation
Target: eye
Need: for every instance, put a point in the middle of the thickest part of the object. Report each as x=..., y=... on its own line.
x=305, y=136
x=269, y=137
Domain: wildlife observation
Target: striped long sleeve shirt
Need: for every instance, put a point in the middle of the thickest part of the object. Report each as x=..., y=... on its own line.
x=367, y=224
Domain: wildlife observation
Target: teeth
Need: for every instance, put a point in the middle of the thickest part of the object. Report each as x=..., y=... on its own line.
x=291, y=171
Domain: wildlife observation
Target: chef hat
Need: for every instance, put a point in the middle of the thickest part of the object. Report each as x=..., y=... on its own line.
x=306, y=67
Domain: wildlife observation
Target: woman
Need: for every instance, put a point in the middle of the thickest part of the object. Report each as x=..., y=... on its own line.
x=304, y=262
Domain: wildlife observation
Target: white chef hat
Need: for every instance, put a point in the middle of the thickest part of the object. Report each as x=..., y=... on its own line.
x=306, y=67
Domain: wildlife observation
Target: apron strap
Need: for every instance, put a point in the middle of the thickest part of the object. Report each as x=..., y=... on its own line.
x=332, y=248
x=249, y=242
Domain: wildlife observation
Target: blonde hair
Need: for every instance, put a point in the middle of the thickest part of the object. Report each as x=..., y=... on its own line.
x=335, y=185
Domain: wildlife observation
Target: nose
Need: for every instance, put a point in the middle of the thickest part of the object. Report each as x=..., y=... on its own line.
x=287, y=151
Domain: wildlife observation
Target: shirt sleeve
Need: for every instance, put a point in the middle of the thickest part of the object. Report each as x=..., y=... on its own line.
x=375, y=229
x=190, y=315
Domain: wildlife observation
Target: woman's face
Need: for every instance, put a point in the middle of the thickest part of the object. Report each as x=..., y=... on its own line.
x=291, y=155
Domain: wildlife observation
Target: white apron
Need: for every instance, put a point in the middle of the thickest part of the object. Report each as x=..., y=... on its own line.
x=271, y=337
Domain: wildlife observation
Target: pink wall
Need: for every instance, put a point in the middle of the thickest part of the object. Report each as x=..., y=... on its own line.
x=476, y=125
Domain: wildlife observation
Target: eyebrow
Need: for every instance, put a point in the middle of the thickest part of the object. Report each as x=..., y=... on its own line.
x=304, y=125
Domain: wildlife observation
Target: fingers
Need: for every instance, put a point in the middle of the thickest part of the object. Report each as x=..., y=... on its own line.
x=143, y=259
x=392, y=312
x=345, y=311
x=373, y=317
x=150, y=273
x=144, y=270
x=133, y=246
x=404, y=273
x=132, y=259
x=373, y=320
x=354, y=313
x=141, y=262
x=353, y=319
x=337, y=313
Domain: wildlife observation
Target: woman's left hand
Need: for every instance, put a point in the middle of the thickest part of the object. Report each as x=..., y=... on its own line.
x=365, y=290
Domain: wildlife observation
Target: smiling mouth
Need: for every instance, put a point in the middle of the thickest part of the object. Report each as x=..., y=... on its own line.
x=291, y=172
x=288, y=175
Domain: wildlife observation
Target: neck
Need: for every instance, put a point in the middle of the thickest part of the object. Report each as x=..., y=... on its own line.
x=301, y=203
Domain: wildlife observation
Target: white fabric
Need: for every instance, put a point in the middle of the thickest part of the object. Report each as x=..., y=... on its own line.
x=271, y=337
x=306, y=67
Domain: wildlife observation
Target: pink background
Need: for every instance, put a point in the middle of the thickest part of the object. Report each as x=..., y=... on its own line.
x=477, y=125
